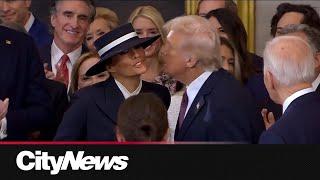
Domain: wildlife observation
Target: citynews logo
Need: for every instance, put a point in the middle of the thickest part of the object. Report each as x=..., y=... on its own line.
x=27, y=160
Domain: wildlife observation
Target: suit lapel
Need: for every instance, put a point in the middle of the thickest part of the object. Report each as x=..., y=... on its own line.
x=45, y=55
x=197, y=104
x=109, y=99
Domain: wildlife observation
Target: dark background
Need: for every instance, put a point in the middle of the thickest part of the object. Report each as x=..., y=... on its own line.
x=168, y=8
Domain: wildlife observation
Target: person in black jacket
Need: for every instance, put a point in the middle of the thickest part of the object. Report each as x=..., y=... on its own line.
x=93, y=113
x=23, y=83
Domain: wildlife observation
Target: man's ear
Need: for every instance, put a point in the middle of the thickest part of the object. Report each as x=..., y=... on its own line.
x=269, y=80
x=53, y=20
x=191, y=61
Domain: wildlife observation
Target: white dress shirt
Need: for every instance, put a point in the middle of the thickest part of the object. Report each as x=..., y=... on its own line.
x=125, y=92
x=294, y=96
x=29, y=23
x=56, y=55
x=194, y=87
x=316, y=83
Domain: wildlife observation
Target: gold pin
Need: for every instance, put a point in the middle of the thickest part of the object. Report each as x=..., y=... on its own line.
x=8, y=42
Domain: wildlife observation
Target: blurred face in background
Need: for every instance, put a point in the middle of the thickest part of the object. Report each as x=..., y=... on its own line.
x=228, y=59
x=146, y=28
x=217, y=26
x=84, y=80
x=97, y=28
x=15, y=11
x=289, y=18
x=208, y=5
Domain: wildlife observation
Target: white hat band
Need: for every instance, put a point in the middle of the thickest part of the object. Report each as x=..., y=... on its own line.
x=117, y=42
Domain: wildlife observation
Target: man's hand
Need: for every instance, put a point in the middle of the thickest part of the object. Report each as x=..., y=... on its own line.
x=49, y=74
x=4, y=108
x=268, y=118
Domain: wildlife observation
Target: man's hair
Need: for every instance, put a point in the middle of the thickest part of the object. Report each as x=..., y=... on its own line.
x=312, y=34
x=90, y=3
x=143, y=118
x=310, y=15
x=290, y=60
x=202, y=41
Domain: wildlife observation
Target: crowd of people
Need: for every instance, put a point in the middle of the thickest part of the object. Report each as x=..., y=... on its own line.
x=88, y=77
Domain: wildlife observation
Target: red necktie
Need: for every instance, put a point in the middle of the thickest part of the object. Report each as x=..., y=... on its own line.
x=62, y=70
x=183, y=108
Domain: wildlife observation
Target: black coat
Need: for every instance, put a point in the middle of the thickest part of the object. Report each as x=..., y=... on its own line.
x=93, y=113
x=222, y=111
x=22, y=81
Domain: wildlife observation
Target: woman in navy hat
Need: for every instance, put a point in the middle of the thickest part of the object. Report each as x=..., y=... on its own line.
x=93, y=113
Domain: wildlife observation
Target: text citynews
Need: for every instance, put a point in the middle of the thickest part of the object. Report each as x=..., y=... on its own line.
x=27, y=160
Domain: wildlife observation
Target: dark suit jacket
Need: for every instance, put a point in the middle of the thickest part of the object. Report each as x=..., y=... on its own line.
x=57, y=91
x=257, y=62
x=258, y=90
x=22, y=81
x=59, y=102
x=221, y=111
x=298, y=125
x=40, y=33
x=93, y=114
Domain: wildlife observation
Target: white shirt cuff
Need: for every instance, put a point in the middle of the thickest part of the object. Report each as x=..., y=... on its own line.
x=3, y=129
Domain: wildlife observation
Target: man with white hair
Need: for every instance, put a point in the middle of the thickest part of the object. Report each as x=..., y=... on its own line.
x=289, y=70
x=214, y=106
x=310, y=35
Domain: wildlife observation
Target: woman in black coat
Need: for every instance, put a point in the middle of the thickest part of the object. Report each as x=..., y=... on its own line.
x=94, y=109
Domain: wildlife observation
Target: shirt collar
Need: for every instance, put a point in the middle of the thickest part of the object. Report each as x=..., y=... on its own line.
x=316, y=83
x=125, y=92
x=294, y=96
x=29, y=23
x=194, y=87
x=56, y=54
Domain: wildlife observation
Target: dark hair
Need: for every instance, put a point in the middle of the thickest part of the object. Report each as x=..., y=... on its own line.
x=229, y=4
x=90, y=3
x=234, y=28
x=143, y=118
x=310, y=15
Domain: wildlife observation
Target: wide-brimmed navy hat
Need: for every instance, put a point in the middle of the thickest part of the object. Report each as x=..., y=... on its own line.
x=114, y=42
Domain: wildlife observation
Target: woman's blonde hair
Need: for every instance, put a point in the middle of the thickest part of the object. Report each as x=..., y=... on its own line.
x=108, y=15
x=151, y=13
x=75, y=70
